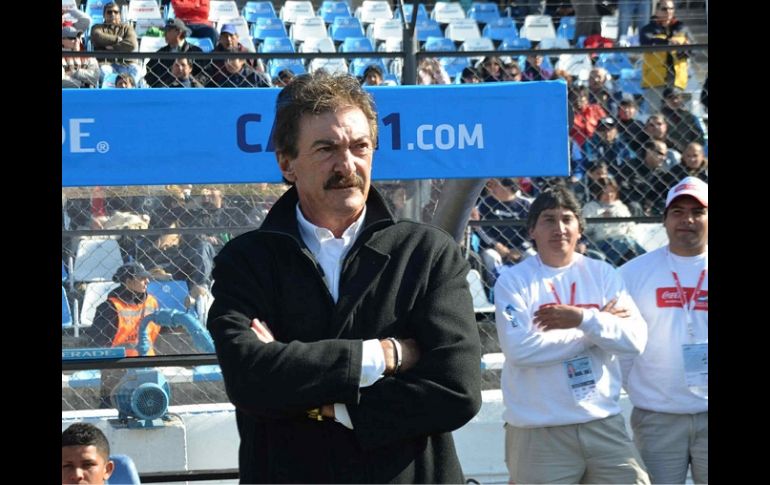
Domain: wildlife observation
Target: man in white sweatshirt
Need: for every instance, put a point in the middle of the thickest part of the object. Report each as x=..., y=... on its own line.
x=668, y=382
x=563, y=320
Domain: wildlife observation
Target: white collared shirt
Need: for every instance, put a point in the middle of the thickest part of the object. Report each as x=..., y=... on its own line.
x=330, y=252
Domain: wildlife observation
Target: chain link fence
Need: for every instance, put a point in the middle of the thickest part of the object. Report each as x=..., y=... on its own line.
x=629, y=145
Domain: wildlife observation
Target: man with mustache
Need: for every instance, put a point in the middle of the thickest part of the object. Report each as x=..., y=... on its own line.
x=668, y=382
x=563, y=320
x=347, y=339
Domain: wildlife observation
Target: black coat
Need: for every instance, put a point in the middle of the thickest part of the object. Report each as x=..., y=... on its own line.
x=400, y=279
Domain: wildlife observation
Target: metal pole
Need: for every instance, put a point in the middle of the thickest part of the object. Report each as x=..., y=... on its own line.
x=409, y=45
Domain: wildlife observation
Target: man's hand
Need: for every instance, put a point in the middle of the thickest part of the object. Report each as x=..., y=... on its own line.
x=618, y=312
x=262, y=332
x=410, y=355
x=555, y=317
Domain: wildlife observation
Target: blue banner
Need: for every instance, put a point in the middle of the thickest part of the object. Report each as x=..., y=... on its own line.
x=164, y=136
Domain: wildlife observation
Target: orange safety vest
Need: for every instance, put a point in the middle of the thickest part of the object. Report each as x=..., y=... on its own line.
x=129, y=317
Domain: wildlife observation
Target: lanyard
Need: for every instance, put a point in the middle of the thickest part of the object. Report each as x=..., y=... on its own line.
x=688, y=304
x=556, y=294
x=552, y=288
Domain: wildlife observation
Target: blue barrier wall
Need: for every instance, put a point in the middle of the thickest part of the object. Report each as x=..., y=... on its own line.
x=162, y=136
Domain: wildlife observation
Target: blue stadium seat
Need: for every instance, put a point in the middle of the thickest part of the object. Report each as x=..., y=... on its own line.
x=433, y=44
x=268, y=27
x=422, y=13
x=254, y=10
x=203, y=42
x=274, y=66
x=630, y=81
x=499, y=29
x=515, y=43
x=359, y=65
x=483, y=12
x=427, y=28
x=344, y=27
x=170, y=294
x=614, y=62
x=566, y=28
x=125, y=470
x=356, y=44
x=276, y=44
x=66, y=313
x=331, y=9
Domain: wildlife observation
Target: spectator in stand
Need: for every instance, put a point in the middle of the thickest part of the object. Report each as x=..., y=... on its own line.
x=695, y=162
x=684, y=127
x=159, y=73
x=77, y=72
x=491, y=69
x=372, y=76
x=668, y=382
x=601, y=90
x=644, y=183
x=667, y=68
x=632, y=13
x=229, y=41
x=85, y=455
x=630, y=128
x=505, y=244
x=73, y=17
x=512, y=71
x=656, y=128
x=237, y=73
x=596, y=41
x=114, y=35
x=125, y=80
x=614, y=239
x=283, y=78
x=534, y=70
x=585, y=115
x=704, y=93
x=430, y=71
x=607, y=145
x=195, y=14
x=470, y=76
x=563, y=320
x=586, y=188
x=182, y=71
x=558, y=9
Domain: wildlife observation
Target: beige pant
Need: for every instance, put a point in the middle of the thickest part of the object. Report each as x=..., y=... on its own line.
x=599, y=451
x=669, y=443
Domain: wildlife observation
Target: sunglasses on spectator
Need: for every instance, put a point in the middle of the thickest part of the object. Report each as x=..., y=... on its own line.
x=666, y=8
x=112, y=12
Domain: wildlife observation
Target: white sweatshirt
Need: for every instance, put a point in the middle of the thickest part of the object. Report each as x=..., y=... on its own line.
x=655, y=380
x=536, y=388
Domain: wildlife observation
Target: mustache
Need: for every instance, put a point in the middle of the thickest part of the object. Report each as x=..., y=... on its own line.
x=338, y=181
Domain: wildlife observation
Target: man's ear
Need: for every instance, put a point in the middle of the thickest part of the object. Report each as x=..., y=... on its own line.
x=286, y=165
x=109, y=468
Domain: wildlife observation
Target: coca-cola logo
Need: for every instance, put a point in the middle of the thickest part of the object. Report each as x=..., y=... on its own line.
x=668, y=295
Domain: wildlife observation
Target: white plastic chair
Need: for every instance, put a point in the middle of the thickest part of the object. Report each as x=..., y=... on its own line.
x=480, y=302
x=96, y=294
x=371, y=10
x=308, y=28
x=96, y=260
x=445, y=12
x=221, y=10
x=295, y=9
x=538, y=27
x=460, y=30
x=609, y=24
x=143, y=9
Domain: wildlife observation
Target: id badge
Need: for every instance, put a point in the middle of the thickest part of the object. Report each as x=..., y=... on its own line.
x=696, y=368
x=581, y=380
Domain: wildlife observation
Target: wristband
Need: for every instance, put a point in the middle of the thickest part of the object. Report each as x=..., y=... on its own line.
x=398, y=353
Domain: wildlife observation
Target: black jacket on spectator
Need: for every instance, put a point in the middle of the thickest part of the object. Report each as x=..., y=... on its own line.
x=159, y=70
x=400, y=279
